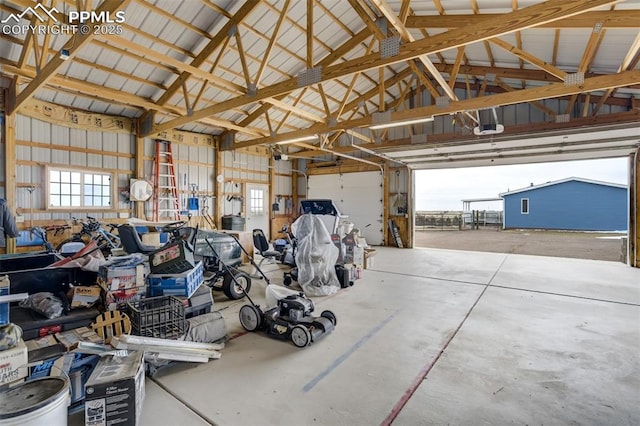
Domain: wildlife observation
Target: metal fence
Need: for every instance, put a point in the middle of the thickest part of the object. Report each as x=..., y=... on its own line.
x=429, y=220
x=438, y=220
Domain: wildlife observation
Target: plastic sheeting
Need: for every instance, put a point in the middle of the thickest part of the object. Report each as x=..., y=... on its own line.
x=315, y=257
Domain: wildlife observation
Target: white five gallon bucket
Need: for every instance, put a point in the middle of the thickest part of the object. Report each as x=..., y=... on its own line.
x=40, y=402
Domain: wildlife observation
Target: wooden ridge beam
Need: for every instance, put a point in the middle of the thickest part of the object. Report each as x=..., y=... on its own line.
x=609, y=19
x=492, y=27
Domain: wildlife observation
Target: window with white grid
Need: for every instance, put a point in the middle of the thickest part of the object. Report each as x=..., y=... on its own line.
x=79, y=188
x=256, y=197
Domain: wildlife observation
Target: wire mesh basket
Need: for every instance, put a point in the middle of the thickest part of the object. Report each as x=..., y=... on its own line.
x=161, y=317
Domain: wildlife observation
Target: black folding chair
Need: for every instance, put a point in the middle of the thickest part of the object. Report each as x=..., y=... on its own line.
x=262, y=245
x=131, y=240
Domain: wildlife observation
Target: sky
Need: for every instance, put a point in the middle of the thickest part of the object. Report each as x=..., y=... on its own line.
x=444, y=189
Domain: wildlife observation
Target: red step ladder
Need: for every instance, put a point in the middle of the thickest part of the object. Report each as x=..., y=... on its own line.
x=166, y=204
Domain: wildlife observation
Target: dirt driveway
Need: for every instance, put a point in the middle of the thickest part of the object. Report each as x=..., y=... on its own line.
x=581, y=245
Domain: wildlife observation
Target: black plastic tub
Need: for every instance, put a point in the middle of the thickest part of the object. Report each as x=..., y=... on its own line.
x=20, y=261
x=53, y=280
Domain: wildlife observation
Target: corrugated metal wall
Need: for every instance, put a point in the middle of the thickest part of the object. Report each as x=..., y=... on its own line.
x=39, y=144
x=237, y=170
x=194, y=170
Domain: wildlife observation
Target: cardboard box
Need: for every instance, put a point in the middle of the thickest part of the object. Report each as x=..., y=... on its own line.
x=44, y=348
x=354, y=251
x=369, y=258
x=41, y=343
x=70, y=338
x=117, y=278
x=115, y=391
x=122, y=284
x=13, y=363
x=118, y=299
x=84, y=296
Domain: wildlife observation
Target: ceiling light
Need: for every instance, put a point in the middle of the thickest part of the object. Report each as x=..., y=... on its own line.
x=379, y=126
x=298, y=139
x=488, y=129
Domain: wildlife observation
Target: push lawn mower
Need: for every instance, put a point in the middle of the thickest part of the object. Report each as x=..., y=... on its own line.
x=221, y=257
x=290, y=319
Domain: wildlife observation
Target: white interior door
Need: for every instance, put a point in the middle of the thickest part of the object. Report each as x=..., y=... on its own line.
x=257, y=207
x=357, y=195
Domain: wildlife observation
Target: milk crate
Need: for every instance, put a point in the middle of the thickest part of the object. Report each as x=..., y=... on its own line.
x=184, y=284
x=161, y=317
x=174, y=258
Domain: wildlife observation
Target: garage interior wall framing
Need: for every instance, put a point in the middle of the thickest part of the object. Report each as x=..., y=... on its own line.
x=40, y=144
x=51, y=136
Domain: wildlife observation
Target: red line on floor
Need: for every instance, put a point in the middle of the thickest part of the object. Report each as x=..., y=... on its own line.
x=425, y=371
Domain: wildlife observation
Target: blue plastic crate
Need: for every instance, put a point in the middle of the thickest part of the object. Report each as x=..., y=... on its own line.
x=4, y=307
x=184, y=284
x=28, y=239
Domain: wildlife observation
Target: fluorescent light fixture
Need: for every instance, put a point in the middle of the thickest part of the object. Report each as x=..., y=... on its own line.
x=298, y=139
x=379, y=126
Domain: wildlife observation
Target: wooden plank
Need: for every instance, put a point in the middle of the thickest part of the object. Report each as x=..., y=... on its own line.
x=456, y=67
x=634, y=210
x=243, y=59
x=609, y=19
x=556, y=72
x=587, y=57
x=385, y=201
x=310, y=38
x=272, y=41
x=139, y=166
x=407, y=36
x=9, y=131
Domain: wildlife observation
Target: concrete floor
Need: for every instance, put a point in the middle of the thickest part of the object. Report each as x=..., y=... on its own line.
x=432, y=337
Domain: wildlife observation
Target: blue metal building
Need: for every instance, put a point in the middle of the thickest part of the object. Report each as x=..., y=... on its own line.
x=568, y=204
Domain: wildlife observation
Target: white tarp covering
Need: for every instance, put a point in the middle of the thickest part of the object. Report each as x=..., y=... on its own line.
x=316, y=257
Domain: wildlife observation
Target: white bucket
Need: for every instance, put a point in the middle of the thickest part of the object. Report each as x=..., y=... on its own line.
x=345, y=227
x=39, y=402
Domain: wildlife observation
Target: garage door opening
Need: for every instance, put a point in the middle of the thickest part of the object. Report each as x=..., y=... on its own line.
x=573, y=209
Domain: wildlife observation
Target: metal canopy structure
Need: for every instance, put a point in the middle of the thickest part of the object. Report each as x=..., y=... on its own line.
x=261, y=72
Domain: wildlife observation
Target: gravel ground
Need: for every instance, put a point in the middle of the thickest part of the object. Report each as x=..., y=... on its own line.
x=581, y=245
